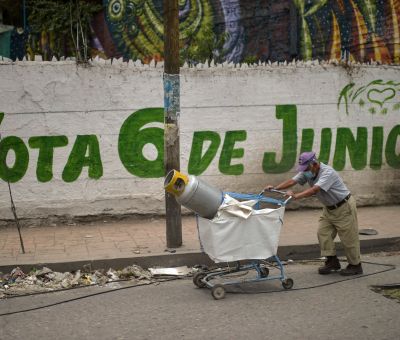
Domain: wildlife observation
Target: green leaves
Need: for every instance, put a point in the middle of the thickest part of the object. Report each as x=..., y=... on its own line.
x=63, y=19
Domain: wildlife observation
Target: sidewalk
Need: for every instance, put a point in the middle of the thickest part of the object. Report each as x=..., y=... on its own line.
x=142, y=240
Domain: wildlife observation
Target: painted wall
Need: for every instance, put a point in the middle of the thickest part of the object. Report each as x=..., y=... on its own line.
x=359, y=30
x=233, y=31
x=89, y=140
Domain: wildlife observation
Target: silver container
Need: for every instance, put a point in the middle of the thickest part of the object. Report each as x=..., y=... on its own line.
x=201, y=198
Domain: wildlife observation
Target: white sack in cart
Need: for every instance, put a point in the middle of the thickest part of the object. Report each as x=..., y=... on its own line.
x=239, y=232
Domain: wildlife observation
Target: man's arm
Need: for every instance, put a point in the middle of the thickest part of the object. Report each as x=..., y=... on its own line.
x=306, y=193
x=284, y=185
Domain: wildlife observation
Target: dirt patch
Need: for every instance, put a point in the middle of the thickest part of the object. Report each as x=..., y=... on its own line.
x=390, y=292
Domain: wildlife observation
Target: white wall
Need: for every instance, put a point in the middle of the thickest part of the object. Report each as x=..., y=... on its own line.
x=61, y=98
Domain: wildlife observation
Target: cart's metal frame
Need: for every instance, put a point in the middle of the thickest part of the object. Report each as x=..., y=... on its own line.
x=202, y=279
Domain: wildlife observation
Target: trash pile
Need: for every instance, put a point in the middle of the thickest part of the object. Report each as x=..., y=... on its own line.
x=43, y=280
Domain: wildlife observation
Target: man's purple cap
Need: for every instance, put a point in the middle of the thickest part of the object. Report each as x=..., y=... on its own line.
x=305, y=159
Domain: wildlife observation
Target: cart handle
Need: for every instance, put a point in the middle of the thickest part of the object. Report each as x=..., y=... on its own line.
x=279, y=192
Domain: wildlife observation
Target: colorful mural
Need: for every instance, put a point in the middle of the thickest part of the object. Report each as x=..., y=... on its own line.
x=357, y=30
x=223, y=30
x=136, y=27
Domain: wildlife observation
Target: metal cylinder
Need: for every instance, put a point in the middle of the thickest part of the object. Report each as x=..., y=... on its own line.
x=197, y=196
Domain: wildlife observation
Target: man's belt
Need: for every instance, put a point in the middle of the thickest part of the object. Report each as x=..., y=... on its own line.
x=337, y=205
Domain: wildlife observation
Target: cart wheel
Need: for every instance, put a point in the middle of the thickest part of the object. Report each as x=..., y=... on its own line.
x=218, y=292
x=264, y=271
x=197, y=279
x=287, y=284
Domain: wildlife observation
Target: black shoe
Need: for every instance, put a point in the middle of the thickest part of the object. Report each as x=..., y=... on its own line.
x=332, y=265
x=352, y=269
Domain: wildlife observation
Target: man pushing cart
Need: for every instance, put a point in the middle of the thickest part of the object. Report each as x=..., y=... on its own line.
x=339, y=213
x=233, y=228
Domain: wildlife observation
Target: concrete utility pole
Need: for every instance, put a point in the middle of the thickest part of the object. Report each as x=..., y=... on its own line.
x=171, y=117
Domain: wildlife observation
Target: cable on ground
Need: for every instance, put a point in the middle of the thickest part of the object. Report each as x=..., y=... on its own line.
x=84, y=296
x=389, y=268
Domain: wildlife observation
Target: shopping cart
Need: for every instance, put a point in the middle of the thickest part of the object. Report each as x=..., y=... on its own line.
x=247, y=235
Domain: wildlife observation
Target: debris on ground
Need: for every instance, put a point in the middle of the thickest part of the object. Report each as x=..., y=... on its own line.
x=112, y=275
x=17, y=274
x=44, y=280
x=178, y=271
x=134, y=271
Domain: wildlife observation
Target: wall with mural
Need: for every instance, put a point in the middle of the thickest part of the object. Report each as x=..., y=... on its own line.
x=358, y=30
x=89, y=140
x=134, y=29
x=224, y=30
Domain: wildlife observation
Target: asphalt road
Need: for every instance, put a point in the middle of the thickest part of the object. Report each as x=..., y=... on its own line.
x=176, y=309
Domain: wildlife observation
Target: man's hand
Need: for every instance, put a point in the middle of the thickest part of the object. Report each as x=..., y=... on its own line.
x=268, y=187
x=290, y=193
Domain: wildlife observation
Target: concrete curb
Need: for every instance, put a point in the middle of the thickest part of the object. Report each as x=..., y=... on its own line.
x=294, y=252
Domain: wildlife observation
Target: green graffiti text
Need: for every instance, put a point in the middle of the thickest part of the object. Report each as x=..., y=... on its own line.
x=18, y=170
x=85, y=152
x=138, y=130
x=46, y=146
x=133, y=137
x=228, y=152
x=288, y=113
x=392, y=158
x=199, y=162
x=357, y=148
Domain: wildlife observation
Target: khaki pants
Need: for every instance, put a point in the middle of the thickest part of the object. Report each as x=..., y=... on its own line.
x=341, y=221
